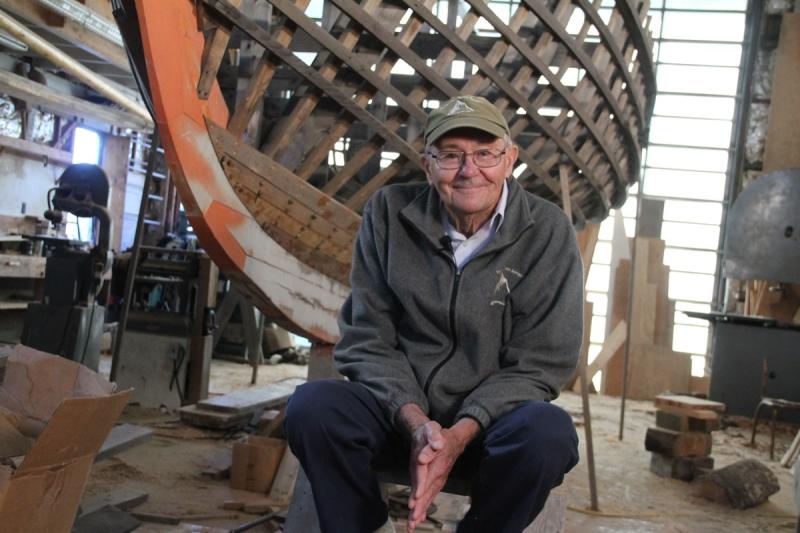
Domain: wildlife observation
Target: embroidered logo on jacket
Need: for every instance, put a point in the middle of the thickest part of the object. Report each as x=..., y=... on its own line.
x=501, y=288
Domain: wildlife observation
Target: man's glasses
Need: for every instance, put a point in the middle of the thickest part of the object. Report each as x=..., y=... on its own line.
x=483, y=158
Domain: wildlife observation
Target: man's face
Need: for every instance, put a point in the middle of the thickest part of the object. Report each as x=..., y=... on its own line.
x=469, y=191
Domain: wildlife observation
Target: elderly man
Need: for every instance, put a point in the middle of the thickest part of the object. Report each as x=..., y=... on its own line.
x=464, y=321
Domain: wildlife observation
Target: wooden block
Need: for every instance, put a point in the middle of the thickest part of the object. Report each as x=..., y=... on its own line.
x=689, y=402
x=683, y=468
x=280, y=493
x=743, y=484
x=674, y=444
x=255, y=463
x=272, y=424
x=682, y=422
x=244, y=401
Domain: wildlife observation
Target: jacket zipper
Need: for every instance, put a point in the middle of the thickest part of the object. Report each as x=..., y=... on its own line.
x=452, y=352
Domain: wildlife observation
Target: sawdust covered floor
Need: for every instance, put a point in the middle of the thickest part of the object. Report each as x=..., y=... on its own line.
x=170, y=469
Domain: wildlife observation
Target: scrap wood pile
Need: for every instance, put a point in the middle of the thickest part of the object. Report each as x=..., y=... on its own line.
x=681, y=441
x=681, y=449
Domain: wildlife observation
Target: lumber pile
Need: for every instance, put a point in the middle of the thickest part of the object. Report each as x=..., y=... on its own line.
x=653, y=367
x=681, y=441
x=237, y=408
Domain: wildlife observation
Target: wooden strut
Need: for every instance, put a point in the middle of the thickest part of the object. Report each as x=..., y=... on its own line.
x=311, y=75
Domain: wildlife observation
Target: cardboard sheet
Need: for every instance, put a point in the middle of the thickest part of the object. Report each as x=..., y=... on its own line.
x=43, y=494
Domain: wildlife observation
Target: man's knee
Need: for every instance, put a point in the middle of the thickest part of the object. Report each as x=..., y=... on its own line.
x=308, y=408
x=544, y=432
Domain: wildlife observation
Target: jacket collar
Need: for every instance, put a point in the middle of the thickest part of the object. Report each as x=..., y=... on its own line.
x=424, y=213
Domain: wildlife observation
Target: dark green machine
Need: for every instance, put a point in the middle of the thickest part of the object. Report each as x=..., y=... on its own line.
x=69, y=321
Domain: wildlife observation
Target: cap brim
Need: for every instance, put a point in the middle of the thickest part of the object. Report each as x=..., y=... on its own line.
x=466, y=122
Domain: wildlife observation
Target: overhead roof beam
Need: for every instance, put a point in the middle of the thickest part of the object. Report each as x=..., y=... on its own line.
x=71, y=31
x=100, y=84
x=65, y=105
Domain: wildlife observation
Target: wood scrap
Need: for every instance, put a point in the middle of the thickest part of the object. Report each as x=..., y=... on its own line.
x=105, y=519
x=675, y=444
x=123, y=498
x=271, y=425
x=232, y=505
x=249, y=400
x=123, y=437
x=280, y=493
x=157, y=518
x=681, y=422
x=792, y=453
x=257, y=508
x=683, y=468
x=219, y=467
x=193, y=414
x=688, y=402
x=741, y=485
x=612, y=344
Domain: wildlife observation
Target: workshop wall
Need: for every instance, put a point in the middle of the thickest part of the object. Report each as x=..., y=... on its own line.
x=24, y=183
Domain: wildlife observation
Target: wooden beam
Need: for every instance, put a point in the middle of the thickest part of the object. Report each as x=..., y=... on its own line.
x=566, y=199
x=362, y=68
x=70, y=31
x=34, y=150
x=313, y=77
x=613, y=343
x=65, y=105
x=555, y=82
x=213, y=51
x=72, y=67
x=116, y=151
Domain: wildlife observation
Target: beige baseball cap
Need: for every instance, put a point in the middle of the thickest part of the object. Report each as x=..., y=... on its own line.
x=464, y=112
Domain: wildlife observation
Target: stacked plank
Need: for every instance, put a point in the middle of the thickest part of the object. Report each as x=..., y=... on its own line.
x=237, y=408
x=681, y=441
x=653, y=366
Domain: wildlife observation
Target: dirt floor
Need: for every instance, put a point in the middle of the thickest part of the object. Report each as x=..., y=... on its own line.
x=170, y=469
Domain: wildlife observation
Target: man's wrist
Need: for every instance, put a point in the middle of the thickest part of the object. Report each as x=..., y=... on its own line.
x=466, y=429
x=411, y=417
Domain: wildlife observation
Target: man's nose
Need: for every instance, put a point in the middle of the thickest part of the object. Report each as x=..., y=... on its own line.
x=468, y=166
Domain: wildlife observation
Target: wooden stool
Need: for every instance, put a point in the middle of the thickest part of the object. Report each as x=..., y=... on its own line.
x=776, y=404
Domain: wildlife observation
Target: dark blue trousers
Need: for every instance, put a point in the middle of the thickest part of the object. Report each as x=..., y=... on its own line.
x=341, y=436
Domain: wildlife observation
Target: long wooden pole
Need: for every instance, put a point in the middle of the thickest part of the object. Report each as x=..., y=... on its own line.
x=60, y=59
x=588, y=243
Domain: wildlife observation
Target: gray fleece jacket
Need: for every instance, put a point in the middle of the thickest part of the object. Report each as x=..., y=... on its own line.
x=505, y=330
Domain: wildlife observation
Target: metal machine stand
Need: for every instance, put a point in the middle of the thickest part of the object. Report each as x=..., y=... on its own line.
x=69, y=321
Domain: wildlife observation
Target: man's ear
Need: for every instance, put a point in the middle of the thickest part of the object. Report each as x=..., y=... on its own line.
x=512, y=153
x=425, y=160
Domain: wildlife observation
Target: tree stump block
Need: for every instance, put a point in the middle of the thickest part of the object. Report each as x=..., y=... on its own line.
x=741, y=485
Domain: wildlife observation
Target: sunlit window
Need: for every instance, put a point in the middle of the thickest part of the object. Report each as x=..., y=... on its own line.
x=697, y=51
